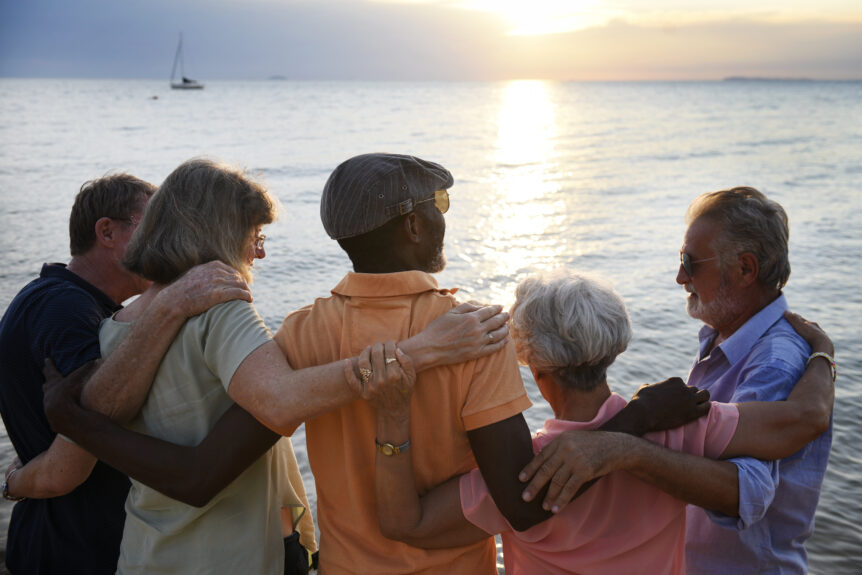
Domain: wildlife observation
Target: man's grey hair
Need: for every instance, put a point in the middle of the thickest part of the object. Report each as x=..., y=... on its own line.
x=571, y=325
x=749, y=222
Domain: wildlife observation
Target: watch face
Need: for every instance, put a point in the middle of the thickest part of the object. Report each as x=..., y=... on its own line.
x=387, y=449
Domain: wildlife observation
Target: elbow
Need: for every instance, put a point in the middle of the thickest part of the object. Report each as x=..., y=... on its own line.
x=399, y=531
x=822, y=420
x=198, y=500
x=816, y=419
x=59, y=486
x=197, y=492
x=522, y=517
x=393, y=531
x=280, y=422
x=398, y=526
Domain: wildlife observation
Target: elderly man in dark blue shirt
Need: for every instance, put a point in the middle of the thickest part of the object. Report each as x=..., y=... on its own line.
x=69, y=516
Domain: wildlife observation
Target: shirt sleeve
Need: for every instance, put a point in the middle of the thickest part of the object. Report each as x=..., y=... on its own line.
x=758, y=480
x=709, y=436
x=757, y=483
x=231, y=332
x=477, y=505
x=73, y=340
x=496, y=390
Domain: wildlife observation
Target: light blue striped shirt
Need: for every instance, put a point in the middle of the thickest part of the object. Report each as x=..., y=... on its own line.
x=761, y=361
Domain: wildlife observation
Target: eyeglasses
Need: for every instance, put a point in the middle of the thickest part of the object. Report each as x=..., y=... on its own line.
x=686, y=262
x=131, y=219
x=258, y=242
x=440, y=199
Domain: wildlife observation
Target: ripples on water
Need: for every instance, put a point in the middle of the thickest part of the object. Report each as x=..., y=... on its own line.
x=588, y=176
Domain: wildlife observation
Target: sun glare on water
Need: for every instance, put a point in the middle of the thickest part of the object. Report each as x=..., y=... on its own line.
x=524, y=185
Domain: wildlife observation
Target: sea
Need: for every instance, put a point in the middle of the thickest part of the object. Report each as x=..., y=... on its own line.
x=586, y=176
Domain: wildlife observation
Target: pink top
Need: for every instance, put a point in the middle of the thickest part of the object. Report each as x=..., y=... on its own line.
x=621, y=524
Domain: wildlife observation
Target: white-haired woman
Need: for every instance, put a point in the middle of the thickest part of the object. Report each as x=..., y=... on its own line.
x=568, y=328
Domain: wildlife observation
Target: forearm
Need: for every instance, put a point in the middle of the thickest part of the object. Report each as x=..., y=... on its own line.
x=502, y=449
x=814, y=396
x=280, y=398
x=775, y=429
x=120, y=386
x=190, y=474
x=55, y=472
x=432, y=521
x=696, y=480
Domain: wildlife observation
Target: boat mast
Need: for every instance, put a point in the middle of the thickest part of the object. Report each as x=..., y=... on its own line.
x=178, y=58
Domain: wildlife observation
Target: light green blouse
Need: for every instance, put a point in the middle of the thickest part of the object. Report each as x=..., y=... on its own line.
x=239, y=531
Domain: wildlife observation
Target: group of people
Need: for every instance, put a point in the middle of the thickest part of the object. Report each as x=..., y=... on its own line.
x=412, y=403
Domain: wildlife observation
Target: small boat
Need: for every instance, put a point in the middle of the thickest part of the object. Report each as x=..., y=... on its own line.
x=184, y=83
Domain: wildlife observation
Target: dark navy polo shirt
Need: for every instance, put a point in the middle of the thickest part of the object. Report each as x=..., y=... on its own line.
x=56, y=315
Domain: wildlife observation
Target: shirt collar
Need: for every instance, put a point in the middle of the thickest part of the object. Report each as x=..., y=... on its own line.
x=740, y=342
x=612, y=405
x=386, y=285
x=60, y=271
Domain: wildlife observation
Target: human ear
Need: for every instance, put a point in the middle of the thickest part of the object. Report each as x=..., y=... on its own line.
x=105, y=231
x=412, y=228
x=749, y=268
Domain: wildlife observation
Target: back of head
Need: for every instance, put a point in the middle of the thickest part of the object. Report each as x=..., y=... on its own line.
x=750, y=222
x=571, y=325
x=368, y=190
x=115, y=196
x=203, y=211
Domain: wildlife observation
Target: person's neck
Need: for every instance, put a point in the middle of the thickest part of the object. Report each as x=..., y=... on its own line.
x=382, y=268
x=576, y=405
x=93, y=270
x=753, y=303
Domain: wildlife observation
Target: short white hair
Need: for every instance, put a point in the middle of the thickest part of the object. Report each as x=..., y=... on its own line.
x=571, y=324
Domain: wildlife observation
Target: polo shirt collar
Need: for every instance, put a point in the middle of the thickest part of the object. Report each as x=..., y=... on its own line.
x=612, y=405
x=60, y=271
x=385, y=285
x=739, y=344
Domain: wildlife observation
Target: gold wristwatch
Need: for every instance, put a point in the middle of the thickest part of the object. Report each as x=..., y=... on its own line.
x=389, y=449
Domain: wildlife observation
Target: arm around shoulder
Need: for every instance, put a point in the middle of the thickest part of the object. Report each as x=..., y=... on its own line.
x=57, y=471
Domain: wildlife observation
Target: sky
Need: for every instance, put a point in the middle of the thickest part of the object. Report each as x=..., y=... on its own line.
x=433, y=39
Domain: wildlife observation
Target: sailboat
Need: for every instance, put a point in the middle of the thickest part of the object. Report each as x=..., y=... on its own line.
x=184, y=83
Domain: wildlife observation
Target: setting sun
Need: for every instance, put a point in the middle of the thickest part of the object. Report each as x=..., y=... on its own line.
x=543, y=16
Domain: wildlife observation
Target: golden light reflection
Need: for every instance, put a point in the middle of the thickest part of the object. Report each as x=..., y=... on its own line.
x=525, y=183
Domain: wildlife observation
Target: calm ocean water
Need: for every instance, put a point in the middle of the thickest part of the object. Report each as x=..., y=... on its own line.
x=590, y=176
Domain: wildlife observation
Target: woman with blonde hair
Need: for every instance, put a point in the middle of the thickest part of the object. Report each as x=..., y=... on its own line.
x=215, y=507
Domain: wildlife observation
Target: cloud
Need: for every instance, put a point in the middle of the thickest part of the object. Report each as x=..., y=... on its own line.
x=353, y=40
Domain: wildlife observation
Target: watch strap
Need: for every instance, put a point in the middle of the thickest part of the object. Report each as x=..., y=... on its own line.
x=390, y=449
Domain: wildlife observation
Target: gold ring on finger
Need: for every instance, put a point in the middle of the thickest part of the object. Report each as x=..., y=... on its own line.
x=365, y=375
x=390, y=360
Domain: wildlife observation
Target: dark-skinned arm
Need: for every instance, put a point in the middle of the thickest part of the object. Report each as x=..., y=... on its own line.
x=766, y=430
x=505, y=448
x=194, y=474
x=191, y=474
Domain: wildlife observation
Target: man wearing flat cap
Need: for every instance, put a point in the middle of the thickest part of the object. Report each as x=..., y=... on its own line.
x=386, y=211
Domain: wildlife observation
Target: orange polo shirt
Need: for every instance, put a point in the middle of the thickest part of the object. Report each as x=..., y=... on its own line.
x=448, y=401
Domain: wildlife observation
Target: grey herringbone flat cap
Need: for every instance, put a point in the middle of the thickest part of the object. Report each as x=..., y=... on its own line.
x=367, y=191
